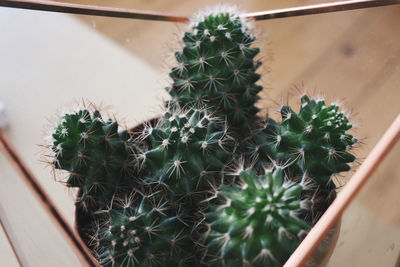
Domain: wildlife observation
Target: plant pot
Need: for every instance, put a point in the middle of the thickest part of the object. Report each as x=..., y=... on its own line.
x=83, y=221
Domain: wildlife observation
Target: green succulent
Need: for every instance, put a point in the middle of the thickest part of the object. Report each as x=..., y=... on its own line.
x=97, y=157
x=190, y=151
x=216, y=68
x=257, y=224
x=140, y=231
x=315, y=141
x=189, y=207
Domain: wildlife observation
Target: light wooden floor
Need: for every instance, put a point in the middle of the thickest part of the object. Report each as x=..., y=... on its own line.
x=353, y=56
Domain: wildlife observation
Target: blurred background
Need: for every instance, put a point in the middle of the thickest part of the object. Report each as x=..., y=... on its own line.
x=48, y=61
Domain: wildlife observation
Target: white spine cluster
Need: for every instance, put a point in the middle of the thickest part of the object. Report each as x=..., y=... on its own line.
x=232, y=10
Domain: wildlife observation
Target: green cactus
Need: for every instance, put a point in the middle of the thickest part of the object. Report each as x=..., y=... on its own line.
x=140, y=232
x=257, y=224
x=190, y=151
x=179, y=166
x=97, y=157
x=316, y=141
x=216, y=68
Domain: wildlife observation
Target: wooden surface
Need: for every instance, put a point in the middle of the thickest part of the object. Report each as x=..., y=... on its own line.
x=353, y=56
x=35, y=238
x=43, y=200
x=44, y=70
x=370, y=234
x=6, y=251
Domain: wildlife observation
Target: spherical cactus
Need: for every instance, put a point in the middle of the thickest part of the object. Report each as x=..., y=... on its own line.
x=257, y=224
x=216, y=68
x=189, y=153
x=315, y=141
x=141, y=232
x=97, y=157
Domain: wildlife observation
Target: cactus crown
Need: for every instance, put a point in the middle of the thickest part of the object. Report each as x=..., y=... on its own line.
x=258, y=223
x=216, y=68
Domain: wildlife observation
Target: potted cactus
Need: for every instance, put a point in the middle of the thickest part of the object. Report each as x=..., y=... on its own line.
x=209, y=182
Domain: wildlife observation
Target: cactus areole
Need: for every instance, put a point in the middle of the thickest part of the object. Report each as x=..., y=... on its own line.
x=210, y=182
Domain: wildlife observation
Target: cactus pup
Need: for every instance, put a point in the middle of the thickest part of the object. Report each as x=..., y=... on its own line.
x=99, y=159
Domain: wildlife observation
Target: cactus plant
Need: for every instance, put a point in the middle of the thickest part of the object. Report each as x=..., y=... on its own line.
x=139, y=231
x=258, y=223
x=190, y=150
x=216, y=68
x=96, y=156
x=180, y=168
x=316, y=141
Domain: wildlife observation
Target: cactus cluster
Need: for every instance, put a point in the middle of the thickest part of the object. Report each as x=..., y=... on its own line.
x=172, y=194
x=216, y=68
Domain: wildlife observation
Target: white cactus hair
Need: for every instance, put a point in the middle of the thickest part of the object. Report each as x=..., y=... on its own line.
x=301, y=90
x=233, y=10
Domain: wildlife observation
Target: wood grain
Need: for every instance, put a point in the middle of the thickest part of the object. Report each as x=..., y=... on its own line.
x=45, y=69
x=7, y=252
x=45, y=202
x=37, y=241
